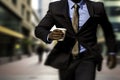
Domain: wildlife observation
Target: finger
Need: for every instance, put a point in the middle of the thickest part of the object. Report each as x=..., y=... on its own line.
x=58, y=31
x=57, y=37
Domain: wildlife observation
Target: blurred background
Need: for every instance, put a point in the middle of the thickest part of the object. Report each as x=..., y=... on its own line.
x=18, y=44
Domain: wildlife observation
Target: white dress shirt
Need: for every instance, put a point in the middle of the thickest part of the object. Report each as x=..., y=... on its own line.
x=84, y=15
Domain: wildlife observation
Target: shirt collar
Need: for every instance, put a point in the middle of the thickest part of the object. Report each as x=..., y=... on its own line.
x=71, y=3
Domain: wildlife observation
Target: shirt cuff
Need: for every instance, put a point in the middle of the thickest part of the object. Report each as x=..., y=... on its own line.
x=112, y=53
x=48, y=39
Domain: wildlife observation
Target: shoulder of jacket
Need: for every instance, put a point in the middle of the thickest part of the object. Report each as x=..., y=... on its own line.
x=98, y=7
x=96, y=3
x=55, y=2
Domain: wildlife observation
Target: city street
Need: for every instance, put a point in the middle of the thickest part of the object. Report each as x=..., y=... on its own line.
x=29, y=69
x=28, y=27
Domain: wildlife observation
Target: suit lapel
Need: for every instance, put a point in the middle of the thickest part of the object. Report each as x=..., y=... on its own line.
x=91, y=12
x=90, y=8
x=66, y=15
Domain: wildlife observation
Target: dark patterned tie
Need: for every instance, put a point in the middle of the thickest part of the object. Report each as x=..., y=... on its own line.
x=75, y=24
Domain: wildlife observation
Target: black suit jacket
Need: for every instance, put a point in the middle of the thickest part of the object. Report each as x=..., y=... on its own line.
x=58, y=14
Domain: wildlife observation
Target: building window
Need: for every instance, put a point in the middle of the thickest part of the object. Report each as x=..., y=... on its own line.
x=28, y=2
x=113, y=11
x=116, y=26
x=22, y=9
x=28, y=16
x=14, y=2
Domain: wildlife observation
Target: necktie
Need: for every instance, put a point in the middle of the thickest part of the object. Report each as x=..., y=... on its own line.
x=75, y=25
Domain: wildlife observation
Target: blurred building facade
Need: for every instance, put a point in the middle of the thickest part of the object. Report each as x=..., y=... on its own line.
x=16, y=25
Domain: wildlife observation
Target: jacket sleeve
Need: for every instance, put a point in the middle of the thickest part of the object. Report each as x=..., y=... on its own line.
x=107, y=30
x=43, y=28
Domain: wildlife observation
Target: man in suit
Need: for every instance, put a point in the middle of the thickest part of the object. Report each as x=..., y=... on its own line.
x=81, y=66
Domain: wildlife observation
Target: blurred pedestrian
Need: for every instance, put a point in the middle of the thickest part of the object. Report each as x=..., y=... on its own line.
x=40, y=51
x=78, y=56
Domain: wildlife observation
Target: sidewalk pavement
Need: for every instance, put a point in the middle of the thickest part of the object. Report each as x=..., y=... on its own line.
x=7, y=59
x=29, y=69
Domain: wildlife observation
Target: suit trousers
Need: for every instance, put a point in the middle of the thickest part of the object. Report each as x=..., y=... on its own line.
x=81, y=68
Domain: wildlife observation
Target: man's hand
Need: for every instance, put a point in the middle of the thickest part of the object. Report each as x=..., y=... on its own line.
x=99, y=66
x=56, y=35
x=111, y=61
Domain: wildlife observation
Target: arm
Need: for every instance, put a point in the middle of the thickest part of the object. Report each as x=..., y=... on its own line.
x=108, y=31
x=43, y=28
x=43, y=32
x=110, y=39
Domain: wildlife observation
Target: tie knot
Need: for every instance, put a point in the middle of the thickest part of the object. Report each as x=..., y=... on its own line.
x=76, y=6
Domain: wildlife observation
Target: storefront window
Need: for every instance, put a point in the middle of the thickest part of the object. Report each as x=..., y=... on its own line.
x=10, y=21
